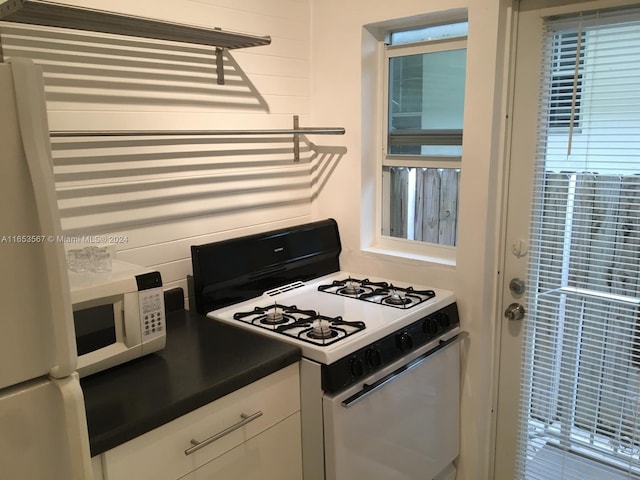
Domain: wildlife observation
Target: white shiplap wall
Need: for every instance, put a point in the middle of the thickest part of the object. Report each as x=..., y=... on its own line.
x=165, y=194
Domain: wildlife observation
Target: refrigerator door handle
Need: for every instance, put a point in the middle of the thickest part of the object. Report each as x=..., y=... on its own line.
x=34, y=129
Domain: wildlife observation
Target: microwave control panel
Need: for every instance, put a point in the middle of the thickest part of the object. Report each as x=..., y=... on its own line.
x=151, y=300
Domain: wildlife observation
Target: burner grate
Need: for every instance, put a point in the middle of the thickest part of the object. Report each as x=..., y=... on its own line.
x=306, y=325
x=382, y=293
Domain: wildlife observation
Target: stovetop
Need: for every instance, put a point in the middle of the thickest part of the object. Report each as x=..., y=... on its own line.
x=335, y=315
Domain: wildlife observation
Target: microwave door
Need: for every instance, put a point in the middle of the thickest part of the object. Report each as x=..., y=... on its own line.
x=96, y=328
x=36, y=323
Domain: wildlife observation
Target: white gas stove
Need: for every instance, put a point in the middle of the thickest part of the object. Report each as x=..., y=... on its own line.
x=373, y=350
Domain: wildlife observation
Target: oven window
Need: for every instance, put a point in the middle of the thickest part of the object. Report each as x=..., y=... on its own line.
x=95, y=328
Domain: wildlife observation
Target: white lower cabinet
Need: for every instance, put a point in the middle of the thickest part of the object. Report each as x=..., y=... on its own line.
x=275, y=454
x=251, y=433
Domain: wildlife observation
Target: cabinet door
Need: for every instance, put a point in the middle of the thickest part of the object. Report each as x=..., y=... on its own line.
x=160, y=454
x=275, y=454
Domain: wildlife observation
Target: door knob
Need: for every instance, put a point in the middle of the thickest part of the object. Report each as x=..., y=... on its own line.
x=515, y=311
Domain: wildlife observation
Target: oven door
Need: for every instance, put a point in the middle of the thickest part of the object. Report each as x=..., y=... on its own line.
x=401, y=423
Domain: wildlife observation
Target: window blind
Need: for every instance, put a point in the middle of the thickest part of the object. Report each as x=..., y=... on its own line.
x=580, y=414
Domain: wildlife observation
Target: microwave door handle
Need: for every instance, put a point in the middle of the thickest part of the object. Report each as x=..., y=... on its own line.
x=125, y=330
x=34, y=130
x=132, y=321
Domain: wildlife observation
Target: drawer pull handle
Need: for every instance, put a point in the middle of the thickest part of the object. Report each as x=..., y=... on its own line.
x=245, y=419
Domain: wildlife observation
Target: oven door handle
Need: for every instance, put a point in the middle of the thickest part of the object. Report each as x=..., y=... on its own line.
x=368, y=389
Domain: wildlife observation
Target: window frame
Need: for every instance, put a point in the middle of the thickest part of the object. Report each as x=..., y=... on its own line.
x=384, y=243
x=418, y=48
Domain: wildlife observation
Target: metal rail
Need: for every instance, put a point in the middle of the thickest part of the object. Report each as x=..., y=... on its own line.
x=204, y=133
x=296, y=131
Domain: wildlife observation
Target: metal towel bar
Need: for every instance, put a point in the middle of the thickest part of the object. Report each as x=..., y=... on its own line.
x=296, y=131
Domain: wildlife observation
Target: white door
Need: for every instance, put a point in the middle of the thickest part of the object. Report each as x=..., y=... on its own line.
x=44, y=431
x=36, y=322
x=572, y=348
x=523, y=116
x=403, y=425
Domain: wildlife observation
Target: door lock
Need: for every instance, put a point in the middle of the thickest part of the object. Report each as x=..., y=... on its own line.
x=515, y=311
x=517, y=286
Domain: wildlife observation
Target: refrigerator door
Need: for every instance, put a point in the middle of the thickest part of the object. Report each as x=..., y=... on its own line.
x=44, y=431
x=36, y=320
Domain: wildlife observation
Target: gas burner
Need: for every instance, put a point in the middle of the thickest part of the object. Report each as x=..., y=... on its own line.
x=352, y=287
x=397, y=298
x=272, y=316
x=322, y=330
x=275, y=316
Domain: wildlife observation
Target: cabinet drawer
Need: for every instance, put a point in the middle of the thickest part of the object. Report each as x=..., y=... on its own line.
x=160, y=453
x=275, y=454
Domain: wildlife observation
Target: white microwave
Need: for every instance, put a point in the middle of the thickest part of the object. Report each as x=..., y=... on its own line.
x=118, y=315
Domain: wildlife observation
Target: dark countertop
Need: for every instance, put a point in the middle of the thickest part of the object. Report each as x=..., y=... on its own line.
x=203, y=361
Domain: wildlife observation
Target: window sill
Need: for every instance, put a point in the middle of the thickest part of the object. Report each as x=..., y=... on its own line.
x=406, y=251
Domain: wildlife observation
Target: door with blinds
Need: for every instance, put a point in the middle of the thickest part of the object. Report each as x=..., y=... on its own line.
x=569, y=391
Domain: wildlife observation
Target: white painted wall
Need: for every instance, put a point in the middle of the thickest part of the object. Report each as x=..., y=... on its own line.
x=164, y=195
x=344, y=91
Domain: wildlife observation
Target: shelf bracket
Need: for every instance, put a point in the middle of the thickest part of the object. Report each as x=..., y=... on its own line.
x=220, y=65
x=296, y=139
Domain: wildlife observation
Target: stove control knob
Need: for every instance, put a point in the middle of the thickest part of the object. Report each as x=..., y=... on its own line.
x=356, y=368
x=373, y=357
x=431, y=326
x=404, y=341
x=444, y=320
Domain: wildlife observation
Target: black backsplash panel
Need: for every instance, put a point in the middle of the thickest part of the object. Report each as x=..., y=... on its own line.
x=238, y=269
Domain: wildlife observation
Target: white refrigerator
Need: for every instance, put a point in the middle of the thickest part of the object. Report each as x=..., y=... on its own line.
x=43, y=427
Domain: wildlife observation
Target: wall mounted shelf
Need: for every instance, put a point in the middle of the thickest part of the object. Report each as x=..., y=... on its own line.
x=296, y=131
x=51, y=14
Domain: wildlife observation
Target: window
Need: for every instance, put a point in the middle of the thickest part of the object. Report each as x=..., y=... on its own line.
x=580, y=412
x=424, y=100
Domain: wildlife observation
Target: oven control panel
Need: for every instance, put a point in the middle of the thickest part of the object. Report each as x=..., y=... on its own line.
x=374, y=357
